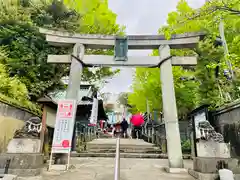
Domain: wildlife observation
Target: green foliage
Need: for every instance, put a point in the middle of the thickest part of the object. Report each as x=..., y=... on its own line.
x=186, y=146
x=205, y=83
x=213, y=90
x=123, y=99
x=26, y=104
x=133, y=110
x=26, y=49
x=147, y=86
x=13, y=91
x=97, y=18
x=12, y=86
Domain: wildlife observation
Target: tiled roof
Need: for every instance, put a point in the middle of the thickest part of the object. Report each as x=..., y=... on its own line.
x=55, y=97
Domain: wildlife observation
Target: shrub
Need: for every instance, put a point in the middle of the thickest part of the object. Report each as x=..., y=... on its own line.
x=186, y=146
x=13, y=91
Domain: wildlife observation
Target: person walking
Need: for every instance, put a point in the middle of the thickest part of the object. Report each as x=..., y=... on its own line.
x=117, y=131
x=137, y=121
x=124, y=126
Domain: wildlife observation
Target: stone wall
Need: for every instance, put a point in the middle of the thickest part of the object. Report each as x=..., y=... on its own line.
x=11, y=119
x=228, y=114
x=8, y=126
x=183, y=128
x=14, y=112
x=226, y=120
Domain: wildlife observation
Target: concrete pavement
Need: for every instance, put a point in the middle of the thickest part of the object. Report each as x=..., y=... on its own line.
x=103, y=168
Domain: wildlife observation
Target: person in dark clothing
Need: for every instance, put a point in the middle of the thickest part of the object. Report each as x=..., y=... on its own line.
x=117, y=129
x=124, y=126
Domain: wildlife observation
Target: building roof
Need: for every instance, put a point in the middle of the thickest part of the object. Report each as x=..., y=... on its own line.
x=84, y=106
x=65, y=81
x=85, y=99
x=84, y=91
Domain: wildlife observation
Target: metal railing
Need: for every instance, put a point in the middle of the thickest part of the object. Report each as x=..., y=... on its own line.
x=117, y=160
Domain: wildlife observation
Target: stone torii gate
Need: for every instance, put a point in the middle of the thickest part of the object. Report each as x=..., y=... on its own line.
x=164, y=61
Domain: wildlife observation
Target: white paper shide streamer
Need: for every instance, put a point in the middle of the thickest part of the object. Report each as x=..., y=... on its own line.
x=94, y=114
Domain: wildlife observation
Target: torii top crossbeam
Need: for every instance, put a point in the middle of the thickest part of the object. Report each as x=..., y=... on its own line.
x=57, y=38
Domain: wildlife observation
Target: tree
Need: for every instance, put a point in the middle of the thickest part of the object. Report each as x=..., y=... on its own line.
x=27, y=49
x=11, y=86
x=12, y=90
x=123, y=99
x=208, y=82
x=97, y=18
x=212, y=65
x=147, y=87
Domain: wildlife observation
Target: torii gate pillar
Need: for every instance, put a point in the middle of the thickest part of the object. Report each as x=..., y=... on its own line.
x=170, y=110
x=75, y=72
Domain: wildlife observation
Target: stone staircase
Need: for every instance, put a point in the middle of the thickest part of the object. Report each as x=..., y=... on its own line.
x=104, y=135
x=129, y=148
x=126, y=146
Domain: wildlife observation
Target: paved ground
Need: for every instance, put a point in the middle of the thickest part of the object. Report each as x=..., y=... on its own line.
x=103, y=168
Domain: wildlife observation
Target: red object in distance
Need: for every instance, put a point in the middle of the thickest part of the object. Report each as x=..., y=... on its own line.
x=65, y=143
x=137, y=120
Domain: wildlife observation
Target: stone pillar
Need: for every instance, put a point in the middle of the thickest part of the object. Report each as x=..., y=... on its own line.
x=170, y=110
x=192, y=145
x=153, y=135
x=74, y=139
x=149, y=134
x=74, y=82
x=75, y=73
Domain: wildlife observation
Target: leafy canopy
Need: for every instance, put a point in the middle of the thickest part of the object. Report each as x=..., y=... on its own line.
x=13, y=91
x=208, y=82
x=26, y=49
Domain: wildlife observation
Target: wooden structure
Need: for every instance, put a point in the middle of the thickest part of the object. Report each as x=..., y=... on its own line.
x=84, y=108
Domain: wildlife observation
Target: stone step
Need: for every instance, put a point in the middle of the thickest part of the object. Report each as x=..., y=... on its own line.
x=111, y=142
x=125, y=155
x=125, y=150
x=103, y=135
x=126, y=146
x=108, y=146
x=121, y=145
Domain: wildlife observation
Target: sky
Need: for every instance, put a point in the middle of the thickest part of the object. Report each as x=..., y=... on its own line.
x=140, y=17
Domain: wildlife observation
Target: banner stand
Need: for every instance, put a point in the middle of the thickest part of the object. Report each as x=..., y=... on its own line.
x=63, y=131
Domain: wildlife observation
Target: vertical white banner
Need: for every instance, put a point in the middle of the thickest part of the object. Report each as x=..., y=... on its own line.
x=94, y=113
x=63, y=130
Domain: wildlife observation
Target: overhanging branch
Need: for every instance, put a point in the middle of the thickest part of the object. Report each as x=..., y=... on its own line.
x=210, y=11
x=225, y=8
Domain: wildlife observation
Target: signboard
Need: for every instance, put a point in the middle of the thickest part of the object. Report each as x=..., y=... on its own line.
x=200, y=117
x=94, y=114
x=208, y=143
x=121, y=49
x=64, y=125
